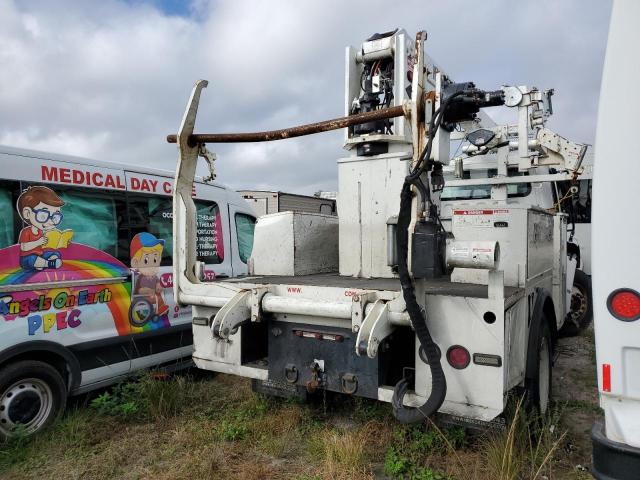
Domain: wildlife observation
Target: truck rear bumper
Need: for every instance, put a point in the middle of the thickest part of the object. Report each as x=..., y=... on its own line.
x=613, y=460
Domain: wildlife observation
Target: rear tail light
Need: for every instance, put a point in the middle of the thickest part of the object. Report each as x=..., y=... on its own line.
x=624, y=304
x=458, y=357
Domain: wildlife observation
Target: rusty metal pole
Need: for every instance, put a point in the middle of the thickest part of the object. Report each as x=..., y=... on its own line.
x=298, y=131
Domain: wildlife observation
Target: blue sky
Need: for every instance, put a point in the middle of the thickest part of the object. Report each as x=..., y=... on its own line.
x=170, y=7
x=109, y=79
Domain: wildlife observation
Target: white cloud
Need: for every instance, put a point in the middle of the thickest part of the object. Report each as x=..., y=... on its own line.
x=109, y=79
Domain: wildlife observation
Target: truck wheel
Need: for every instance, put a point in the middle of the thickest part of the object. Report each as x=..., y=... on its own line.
x=581, y=313
x=538, y=376
x=32, y=395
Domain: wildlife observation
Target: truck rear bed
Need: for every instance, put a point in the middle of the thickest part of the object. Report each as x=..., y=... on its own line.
x=440, y=286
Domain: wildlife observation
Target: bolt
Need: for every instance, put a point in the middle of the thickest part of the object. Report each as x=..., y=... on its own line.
x=356, y=328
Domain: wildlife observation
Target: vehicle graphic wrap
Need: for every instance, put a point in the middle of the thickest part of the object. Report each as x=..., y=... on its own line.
x=48, y=258
x=148, y=307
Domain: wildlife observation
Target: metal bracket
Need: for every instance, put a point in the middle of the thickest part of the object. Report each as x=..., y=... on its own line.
x=209, y=157
x=561, y=151
x=358, y=303
x=374, y=329
x=256, y=302
x=234, y=313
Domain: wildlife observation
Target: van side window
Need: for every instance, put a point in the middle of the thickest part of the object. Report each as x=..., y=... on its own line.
x=161, y=225
x=93, y=218
x=152, y=214
x=245, y=226
x=10, y=217
x=210, y=237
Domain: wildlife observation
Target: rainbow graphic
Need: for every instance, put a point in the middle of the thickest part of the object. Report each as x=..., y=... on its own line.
x=80, y=262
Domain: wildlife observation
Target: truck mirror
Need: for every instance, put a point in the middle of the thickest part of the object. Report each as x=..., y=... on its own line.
x=480, y=137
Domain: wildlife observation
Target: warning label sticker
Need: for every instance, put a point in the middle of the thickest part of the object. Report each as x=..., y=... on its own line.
x=479, y=217
x=480, y=212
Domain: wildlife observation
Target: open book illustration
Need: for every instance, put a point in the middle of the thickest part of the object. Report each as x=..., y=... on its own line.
x=58, y=239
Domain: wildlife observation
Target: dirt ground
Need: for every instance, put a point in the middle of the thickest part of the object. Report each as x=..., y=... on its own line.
x=214, y=427
x=575, y=389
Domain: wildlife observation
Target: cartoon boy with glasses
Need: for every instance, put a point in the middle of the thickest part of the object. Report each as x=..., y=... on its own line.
x=39, y=207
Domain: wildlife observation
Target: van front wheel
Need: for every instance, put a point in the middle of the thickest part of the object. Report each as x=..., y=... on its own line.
x=32, y=396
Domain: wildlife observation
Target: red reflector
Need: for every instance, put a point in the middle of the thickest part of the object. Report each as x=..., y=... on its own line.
x=606, y=377
x=458, y=357
x=624, y=304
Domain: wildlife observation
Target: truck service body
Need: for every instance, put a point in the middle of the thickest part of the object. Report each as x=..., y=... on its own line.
x=408, y=313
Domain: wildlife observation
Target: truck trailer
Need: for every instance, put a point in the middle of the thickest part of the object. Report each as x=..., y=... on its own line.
x=266, y=202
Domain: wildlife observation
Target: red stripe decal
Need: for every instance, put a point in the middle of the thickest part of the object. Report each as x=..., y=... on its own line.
x=606, y=377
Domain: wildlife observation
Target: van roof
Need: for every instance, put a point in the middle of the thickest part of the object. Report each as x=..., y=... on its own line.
x=25, y=152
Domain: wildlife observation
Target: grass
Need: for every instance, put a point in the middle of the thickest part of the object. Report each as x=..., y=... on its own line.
x=526, y=449
x=215, y=427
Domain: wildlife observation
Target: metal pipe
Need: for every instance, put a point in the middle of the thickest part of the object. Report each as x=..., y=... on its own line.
x=392, y=249
x=297, y=306
x=300, y=306
x=203, y=301
x=298, y=131
x=375, y=55
x=399, y=319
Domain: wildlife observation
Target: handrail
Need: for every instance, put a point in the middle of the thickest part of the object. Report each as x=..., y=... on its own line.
x=301, y=130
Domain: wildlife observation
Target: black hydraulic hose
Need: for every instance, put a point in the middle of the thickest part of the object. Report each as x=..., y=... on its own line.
x=418, y=321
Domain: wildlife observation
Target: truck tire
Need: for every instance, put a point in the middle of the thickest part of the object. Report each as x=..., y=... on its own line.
x=581, y=313
x=538, y=374
x=32, y=394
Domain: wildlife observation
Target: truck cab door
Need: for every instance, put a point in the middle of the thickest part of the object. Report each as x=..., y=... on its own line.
x=241, y=228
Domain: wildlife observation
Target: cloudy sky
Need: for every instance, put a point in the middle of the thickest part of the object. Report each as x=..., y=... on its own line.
x=109, y=79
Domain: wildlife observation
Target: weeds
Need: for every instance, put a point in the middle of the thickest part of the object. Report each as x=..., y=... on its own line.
x=124, y=401
x=164, y=397
x=344, y=455
x=158, y=397
x=411, y=448
x=525, y=449
x=13, y=449
x=277, y=438
x=230, y=432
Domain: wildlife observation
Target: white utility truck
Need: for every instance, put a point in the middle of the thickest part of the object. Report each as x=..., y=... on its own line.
x=382, y=302
x=616, y=263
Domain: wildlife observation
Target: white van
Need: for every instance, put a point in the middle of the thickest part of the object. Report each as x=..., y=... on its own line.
x=86, y=275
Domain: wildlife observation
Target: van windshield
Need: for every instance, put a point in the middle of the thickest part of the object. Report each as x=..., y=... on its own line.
x=479, y=192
